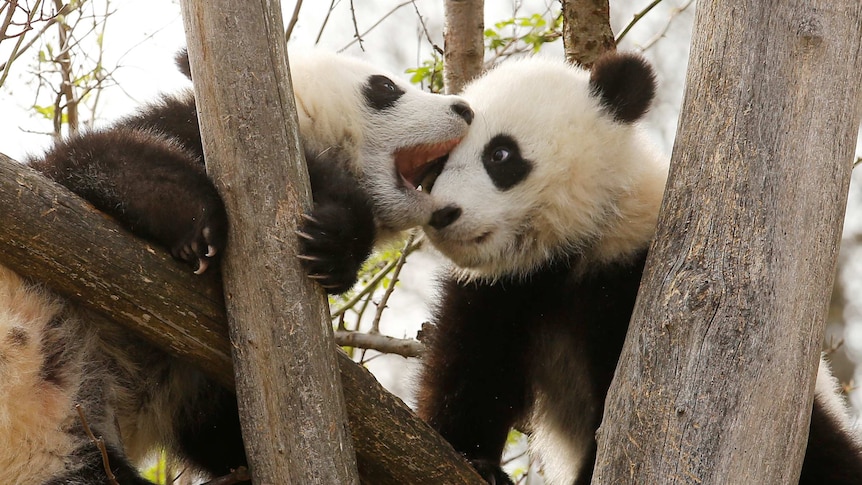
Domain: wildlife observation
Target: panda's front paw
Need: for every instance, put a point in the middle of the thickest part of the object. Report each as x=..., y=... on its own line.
x=334, y=241
x=491, y=472
x=204, y=241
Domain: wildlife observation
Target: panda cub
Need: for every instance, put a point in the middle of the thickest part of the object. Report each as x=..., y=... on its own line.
x=548, y=207
x=369, y=141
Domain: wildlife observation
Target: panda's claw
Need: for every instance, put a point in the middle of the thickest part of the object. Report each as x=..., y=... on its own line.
x=304, y=235
x=318, y=277
x=306, y=257
x=310, y=218
x=211, y=251
x=203, y=264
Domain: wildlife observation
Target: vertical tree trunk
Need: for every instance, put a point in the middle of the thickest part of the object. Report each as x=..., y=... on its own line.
x=463, y=43
x=716, y=377
x=586, y=30
x=289, y=392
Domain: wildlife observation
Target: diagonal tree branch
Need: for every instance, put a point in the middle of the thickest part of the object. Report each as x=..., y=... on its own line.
x=50, y=235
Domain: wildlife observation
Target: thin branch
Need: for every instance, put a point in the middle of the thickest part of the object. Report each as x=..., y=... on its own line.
x=636, y=19
x=293, y=19
x=12, y=5
x=384, y=17
x=374, y=283
x=356, y=33
x=405, y=347
x=674, y=13
x=17, y=48
x=434, y=46
x=402, y=258
x=100, y=444
x=325, y=21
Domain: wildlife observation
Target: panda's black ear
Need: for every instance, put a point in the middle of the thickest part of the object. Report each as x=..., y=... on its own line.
x=625, y=83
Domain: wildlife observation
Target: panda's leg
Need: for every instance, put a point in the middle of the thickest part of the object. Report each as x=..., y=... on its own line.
x=146, y=181
x=473, y=386
x=338, y=235
x=208, y=431
x=834, y=452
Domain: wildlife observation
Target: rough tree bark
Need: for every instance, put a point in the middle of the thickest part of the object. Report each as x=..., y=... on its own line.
x=716, y=378
x=51, y=236
x=287, y=383
x=586, y=30
x=463, y=43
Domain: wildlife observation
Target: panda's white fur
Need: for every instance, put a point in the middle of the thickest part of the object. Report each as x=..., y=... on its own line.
x=547, y=207
x=333, y=116
x=359, y=136
x=608, y=170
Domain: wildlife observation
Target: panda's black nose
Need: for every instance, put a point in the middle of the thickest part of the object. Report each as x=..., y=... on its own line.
x=445, y=216
x=463, y=110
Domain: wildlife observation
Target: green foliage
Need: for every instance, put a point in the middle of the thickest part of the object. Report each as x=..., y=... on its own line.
x=430, y=74
x=524, y=33
x=508, y=37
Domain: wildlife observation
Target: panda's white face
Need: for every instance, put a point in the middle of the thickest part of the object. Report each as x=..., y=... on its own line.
x=390, y=131
x=548, y=170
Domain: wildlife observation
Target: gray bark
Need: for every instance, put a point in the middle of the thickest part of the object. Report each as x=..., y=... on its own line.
x=286, y=373
x=716, y=377
x=586, y=30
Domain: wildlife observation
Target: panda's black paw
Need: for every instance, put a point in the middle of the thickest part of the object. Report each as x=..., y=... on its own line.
x=491, y=472
x=204, y=242
x=334, y=241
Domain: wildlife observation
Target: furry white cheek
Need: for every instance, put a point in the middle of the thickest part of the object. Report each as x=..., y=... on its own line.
x=472, y=246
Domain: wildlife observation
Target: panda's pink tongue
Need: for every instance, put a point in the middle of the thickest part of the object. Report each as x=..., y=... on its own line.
x=414, y=162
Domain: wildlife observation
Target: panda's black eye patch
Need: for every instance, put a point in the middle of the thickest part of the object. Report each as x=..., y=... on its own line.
x=503, y=162
x=381, y=92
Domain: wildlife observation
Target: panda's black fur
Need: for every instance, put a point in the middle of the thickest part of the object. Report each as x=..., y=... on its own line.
x=532, y=321
x=367, y=140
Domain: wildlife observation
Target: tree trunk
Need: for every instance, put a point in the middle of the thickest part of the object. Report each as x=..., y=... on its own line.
x=716, y=378
x=586, y=30
x=288, y=389
x=463, y=43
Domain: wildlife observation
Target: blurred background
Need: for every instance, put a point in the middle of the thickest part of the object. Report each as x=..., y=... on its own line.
x=118, y=54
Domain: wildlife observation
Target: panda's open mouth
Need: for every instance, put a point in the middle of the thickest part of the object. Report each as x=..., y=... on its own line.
x=419, y=163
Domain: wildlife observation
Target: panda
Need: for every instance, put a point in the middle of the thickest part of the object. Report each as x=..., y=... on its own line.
x=369, y=140
x=547, y=209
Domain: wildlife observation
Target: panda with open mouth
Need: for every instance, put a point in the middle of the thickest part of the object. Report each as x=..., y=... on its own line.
x=369, y=139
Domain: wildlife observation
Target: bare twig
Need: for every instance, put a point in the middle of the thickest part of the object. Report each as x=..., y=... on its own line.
x=384, y=17
x=636, y=19
x=293, y=19
x=17, y=47
x=374, y=283
x=325, y=21
x=382, y=343
x=357, y=36
x=673, y=14
x=434, y=46
x=100, y=444
x=402, y=258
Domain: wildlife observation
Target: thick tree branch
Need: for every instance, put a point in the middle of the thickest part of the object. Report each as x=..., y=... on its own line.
x=50, y=235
